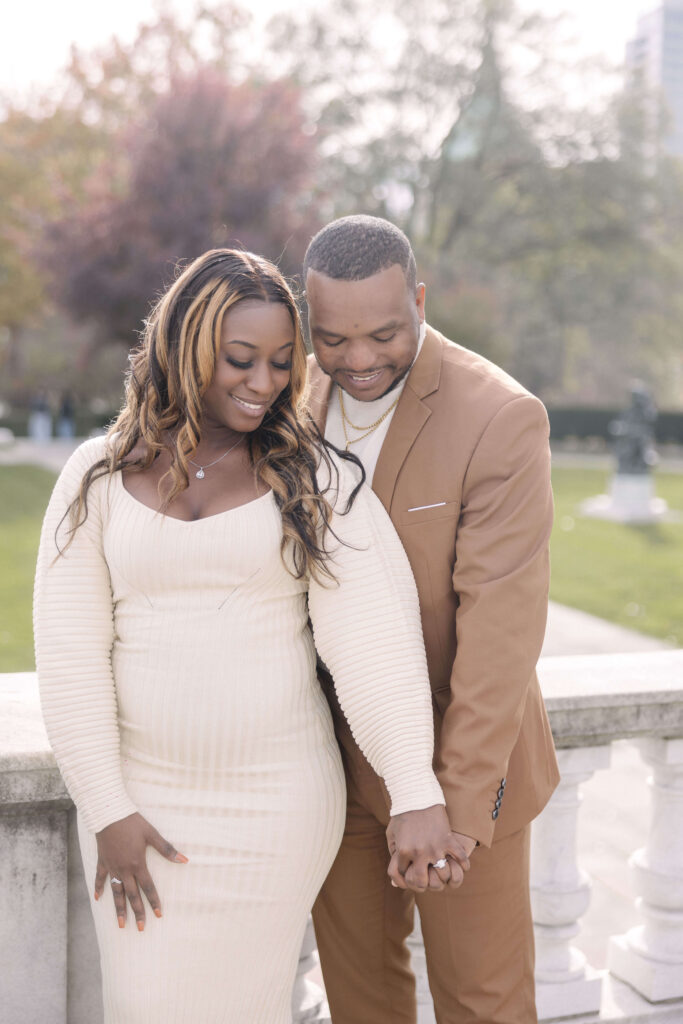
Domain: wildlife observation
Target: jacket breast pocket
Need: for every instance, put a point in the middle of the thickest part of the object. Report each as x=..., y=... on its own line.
x=429, y=512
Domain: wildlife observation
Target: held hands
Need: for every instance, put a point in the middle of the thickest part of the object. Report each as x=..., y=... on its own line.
x=418, y=840
x=121, y=849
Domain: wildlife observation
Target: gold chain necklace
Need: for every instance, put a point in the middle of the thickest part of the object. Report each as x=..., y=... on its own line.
x=367, y=430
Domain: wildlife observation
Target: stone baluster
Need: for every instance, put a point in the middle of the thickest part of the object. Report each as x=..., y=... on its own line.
x=650, y=956
x=308, y=999
x=418, y=961
x=560, y=893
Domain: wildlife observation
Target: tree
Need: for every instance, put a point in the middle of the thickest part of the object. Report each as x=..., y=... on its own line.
x=45, y=156
x=210, y=164
x=549, y=238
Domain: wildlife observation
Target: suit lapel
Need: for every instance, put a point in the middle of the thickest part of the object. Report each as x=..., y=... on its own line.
x=409, y=419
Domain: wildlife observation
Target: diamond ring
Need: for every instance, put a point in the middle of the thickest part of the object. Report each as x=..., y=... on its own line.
x=116, y=881
x=440, y=863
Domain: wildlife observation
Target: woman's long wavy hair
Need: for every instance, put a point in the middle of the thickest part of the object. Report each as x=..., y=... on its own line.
x=170, y=371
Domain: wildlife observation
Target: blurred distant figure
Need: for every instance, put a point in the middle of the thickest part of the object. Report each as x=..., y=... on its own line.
x=634, y=434
x=66, y=416
x=40, y=420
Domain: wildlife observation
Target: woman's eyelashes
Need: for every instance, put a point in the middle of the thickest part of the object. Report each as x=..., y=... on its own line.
x=248, y=365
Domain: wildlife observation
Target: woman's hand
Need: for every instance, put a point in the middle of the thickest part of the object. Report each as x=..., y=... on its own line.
x=121, y=849
x=418, y=840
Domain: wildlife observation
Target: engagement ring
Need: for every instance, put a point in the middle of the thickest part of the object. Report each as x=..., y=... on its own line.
x=440, y=863
x=116, y=881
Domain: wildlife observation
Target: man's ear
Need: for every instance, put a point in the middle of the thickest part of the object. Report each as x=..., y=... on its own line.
x=420, y=294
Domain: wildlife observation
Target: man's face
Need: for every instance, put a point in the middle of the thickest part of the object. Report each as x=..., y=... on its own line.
x=365, y=333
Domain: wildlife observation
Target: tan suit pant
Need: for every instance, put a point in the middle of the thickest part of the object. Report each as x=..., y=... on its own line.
x=478, y=938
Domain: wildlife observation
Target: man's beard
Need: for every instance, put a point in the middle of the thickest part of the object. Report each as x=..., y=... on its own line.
x=394, y=384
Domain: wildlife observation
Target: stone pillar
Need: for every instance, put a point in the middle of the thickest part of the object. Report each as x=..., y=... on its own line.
x=33, y=880
x=308, y=999
x=650, y=956
x=566, y=984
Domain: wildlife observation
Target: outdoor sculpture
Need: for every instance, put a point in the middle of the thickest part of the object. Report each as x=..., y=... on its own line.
x=631, y=498
x=634, y=434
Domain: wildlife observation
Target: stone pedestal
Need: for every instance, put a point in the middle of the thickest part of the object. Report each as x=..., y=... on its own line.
x=33, y=924
x=650, y=957
x=560, y=893
x=631, y=500
x=33, y=866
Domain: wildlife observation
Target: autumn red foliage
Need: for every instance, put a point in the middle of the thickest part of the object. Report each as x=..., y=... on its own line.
x=209, y=164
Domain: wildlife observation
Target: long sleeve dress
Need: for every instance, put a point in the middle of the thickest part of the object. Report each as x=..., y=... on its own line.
x=177, y=675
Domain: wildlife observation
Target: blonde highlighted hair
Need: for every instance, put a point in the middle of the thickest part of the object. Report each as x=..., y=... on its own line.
x=170, y=371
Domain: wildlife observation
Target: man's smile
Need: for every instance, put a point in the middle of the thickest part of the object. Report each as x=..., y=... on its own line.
x=367, y=379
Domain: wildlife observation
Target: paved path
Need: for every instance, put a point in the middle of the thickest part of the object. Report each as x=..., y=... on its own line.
x=614, y=815
x=50, y=454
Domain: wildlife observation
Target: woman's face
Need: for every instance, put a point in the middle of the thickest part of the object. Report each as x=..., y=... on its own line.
x=253, y=365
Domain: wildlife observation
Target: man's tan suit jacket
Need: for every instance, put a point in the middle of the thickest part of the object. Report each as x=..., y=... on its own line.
x=464, y=473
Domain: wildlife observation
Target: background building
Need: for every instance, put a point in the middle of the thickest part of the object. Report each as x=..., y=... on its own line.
x=656, y=55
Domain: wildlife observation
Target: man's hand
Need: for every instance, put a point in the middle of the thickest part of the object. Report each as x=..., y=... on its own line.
x=417, y=841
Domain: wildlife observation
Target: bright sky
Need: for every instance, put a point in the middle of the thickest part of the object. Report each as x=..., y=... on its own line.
x=37, y=34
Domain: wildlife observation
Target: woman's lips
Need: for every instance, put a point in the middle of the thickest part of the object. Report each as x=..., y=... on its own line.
x=250, y=408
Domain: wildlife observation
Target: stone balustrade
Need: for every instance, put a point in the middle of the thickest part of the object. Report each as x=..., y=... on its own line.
x=593, y=701
x=50, y=973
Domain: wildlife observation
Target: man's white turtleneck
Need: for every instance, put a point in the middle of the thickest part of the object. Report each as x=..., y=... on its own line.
x=368, y=448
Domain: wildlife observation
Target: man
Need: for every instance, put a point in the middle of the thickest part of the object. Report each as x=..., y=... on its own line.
x=457, y=451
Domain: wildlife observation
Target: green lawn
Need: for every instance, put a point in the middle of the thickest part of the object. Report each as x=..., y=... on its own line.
x=24, y=494
x=630, y=575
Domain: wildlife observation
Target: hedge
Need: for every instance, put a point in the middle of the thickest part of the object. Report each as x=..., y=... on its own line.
x=565, y=421
x=586, y=421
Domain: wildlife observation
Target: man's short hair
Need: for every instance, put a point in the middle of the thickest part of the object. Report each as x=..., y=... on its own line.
x=356, y=247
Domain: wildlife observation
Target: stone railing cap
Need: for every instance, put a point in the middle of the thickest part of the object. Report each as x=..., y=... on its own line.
x=597, y=698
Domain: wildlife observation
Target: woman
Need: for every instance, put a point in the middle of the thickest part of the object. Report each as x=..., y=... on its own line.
x=176, y=664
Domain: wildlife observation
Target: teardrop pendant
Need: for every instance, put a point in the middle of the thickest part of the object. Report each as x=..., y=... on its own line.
x=200, y=474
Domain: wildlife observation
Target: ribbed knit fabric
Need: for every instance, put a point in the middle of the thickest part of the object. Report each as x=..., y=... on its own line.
x=177, y=676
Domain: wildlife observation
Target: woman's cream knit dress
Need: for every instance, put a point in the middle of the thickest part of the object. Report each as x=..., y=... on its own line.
x=177, y=674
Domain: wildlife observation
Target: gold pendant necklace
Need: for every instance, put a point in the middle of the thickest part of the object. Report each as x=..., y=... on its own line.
x=368, y=429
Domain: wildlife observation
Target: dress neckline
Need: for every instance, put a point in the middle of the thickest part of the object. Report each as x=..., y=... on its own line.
x=189, y=522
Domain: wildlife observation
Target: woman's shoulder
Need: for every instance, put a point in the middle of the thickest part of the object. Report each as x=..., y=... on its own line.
x=87, y=454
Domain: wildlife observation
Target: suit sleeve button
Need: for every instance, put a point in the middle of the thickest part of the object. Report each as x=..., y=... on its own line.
x=495, y=813
x=501, y=791
x=503, y=783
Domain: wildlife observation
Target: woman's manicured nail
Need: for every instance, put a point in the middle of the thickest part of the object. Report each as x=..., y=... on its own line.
x=122, y=922
x=97, y=895
x=141, y=926
x=157, y=912
x=180, y=858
